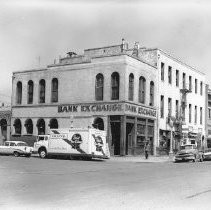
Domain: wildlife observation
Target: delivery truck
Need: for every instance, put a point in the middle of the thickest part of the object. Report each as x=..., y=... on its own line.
x=87, y=143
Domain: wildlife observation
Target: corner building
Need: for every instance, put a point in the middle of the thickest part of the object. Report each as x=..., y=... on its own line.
x=108, y=88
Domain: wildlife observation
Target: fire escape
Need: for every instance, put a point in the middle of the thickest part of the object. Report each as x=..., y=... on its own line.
x=180, y=114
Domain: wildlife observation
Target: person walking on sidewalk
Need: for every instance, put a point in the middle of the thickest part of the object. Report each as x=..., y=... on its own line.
x=146, y=149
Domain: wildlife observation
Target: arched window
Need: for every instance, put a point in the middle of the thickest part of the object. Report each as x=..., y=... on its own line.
x=41, y=127
x=42, y=91
x=53, y=123
x=142, y=89
x=98, y=123
x=151, y=100
x=99, y=87
x=29, y=126
x=30, y=92
x=115, y=86
x=131, y=87
x=17, y=126
x=19, y=93
x=54, y=90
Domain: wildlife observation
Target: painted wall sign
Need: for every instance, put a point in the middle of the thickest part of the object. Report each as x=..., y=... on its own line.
x=117, y=107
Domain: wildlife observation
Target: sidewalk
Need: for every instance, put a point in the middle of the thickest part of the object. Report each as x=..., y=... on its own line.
x=151, y=159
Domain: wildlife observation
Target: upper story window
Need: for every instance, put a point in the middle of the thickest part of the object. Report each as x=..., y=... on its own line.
x=115, y=86
x=201, y=88
x=190, y=83
x=54, y=90
x=162, y=106
x=177, y=78
x=177, y=109
x=142, y=89
x=131, y=87
x=30, y=92
x=151, y=99
x=99, y=83
x=196, y=86
x=201, y=115
x=170, y=74
x=162, y=71
x=195, y=120
x=209, y=113
x=42, y=91
x=169, y=106
x=183, y=80
x=19, y=93
x=190, y=113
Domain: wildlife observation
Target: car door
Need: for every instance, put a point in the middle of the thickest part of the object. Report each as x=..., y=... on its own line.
x=12, y=147
x=6, y=148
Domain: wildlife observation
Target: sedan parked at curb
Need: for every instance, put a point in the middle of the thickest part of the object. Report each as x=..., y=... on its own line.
x=207, y=154
x=189, y=153
x=16, y=148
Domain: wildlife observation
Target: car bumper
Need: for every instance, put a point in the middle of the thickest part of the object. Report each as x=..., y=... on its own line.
x=184, y=158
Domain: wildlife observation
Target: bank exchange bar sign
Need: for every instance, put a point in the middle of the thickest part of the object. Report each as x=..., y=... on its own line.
x=109, y=108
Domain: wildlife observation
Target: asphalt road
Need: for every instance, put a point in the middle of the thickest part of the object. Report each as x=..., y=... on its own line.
x=33, y=183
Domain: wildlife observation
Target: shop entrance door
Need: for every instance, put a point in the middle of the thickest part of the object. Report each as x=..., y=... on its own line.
x=115, y=132
x=129, y=137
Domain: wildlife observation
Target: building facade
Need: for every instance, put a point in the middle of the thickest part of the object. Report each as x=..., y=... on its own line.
x=135, y=94
x=5, y=119
x=181, y=96
x=107, y=88
x=208, y=117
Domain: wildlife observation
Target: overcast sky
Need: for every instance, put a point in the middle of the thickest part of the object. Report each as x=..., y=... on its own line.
x=31, y=29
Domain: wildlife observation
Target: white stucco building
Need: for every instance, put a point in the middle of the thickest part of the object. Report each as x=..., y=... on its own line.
x=105, y=87
x=136, y=94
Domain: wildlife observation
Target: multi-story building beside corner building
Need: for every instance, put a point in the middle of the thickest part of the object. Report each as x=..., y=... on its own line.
x=106, y=87
x=208, y=117
x=136, y=94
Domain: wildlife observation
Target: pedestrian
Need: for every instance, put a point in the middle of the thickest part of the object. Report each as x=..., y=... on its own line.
x=146, y=149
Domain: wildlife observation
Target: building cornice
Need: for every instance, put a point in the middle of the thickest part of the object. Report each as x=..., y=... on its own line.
x=175, y=59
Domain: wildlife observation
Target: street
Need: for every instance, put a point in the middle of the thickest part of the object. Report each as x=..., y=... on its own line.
x=34, y=183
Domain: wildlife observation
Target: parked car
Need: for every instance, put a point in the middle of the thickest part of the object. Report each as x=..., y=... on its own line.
x=189, y=153
x=16, y=148
x=207, y=154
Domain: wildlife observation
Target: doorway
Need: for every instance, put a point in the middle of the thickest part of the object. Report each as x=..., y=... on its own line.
x=129, y=137
x=115, y=133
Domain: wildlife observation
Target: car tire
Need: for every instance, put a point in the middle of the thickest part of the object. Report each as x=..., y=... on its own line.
x=16, y=154
x=42, y=153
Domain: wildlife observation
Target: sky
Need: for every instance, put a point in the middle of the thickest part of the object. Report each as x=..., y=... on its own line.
x=35, y=32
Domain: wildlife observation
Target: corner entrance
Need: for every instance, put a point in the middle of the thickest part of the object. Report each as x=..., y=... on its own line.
x=115, y=134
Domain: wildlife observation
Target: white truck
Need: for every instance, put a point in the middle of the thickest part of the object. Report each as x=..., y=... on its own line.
x=83, y=142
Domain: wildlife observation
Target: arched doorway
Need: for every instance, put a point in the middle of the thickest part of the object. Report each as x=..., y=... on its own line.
x=29, y=126
x=98, y=123
x=3, y=124
x=41, y=127
x=53, y=123
x=17, y=126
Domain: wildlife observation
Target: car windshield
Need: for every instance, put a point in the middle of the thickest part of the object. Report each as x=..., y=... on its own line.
x=186, y=147
x=22, y=144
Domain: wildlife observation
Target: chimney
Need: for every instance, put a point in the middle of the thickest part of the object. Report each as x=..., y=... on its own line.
x=124, y=45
